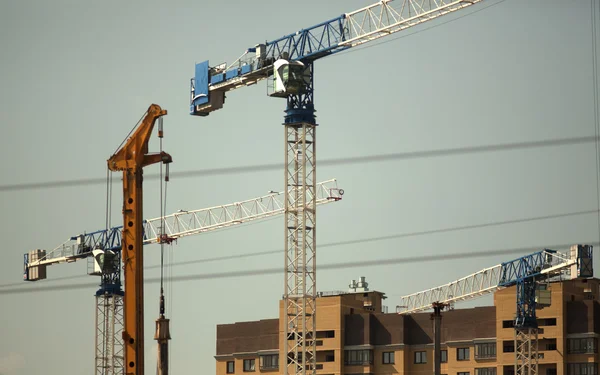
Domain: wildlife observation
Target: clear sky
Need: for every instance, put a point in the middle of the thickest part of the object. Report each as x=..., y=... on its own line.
x=77, y=75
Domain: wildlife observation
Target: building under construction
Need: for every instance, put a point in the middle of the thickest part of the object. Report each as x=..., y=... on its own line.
x=356, y=335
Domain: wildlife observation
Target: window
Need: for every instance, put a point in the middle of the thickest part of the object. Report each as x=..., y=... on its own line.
x=583, y=345
x=329, y=356
x=508, y=324
x=420, y=357
x=551, y=371
x=485, y=371
x=546, y=322
x=462, y=373
x=388, y=358
x=582, y=368
x=325, y=334
x=462, y=354
x=508, y=346
x=485, y=351
x=248, y=365
x=358, y=357
x=443, y=356
x=230, y=367
x=269, y=362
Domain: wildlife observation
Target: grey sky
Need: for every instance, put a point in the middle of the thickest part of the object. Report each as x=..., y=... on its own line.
x=76, y=76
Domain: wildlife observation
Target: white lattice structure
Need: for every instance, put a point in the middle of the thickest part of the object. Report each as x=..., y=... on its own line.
x=479, y=283
x=388, y=16
x=188, y=223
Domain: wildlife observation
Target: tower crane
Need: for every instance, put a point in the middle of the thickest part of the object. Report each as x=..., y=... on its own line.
x=524, y=273
x=289, y=64
x=102, y=248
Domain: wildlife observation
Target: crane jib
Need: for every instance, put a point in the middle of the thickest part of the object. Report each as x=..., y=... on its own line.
x=307, y=45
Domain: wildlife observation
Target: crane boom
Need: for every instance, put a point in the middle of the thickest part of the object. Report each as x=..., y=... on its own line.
x=177, y=225
x=577, y=263
x=351, y=29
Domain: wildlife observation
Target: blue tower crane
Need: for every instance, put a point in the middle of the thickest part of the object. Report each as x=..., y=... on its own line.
x=289, y=64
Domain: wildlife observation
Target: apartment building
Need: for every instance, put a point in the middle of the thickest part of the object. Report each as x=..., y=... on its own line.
x=355, y=337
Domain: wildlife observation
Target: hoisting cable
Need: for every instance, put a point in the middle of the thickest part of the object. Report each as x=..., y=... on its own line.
x=162, y=334
x=162, y=220
x=595, y=103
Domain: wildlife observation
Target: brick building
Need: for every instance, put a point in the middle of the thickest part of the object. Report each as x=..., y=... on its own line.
x=355, y=337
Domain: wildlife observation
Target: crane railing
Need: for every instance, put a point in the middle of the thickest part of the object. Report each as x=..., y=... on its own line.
x=181, y=224
x=550, y=263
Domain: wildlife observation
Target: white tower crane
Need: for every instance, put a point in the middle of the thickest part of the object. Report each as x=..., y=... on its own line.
x=524, y=273
x=102, y=248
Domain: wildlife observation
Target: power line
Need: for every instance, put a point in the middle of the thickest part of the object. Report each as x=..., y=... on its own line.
x=327, y=162
x=330, y=266
x=352, y=242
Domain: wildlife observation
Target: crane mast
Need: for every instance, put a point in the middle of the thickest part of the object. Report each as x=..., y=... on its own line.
x=289, y=61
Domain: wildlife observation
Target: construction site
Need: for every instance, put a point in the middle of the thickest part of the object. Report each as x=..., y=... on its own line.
x=452, y=225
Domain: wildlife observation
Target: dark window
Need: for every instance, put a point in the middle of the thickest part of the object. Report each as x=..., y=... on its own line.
x=485, y=351
x=582, y=368
x=462, y=354
x=358, y=357
x=443, y=356
x=509, y=370
x=583, y=345
x=325, y=334
x=330, y=356
x=551, y=371
x=550, y=344
x=248, y=365
x=508, y=324
x=546, y=322
x=420, y=357
x=508, y=346
x=269, y=362
x=485, y=371
x=388, y=358
x=230, y=367
x=462, y=373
